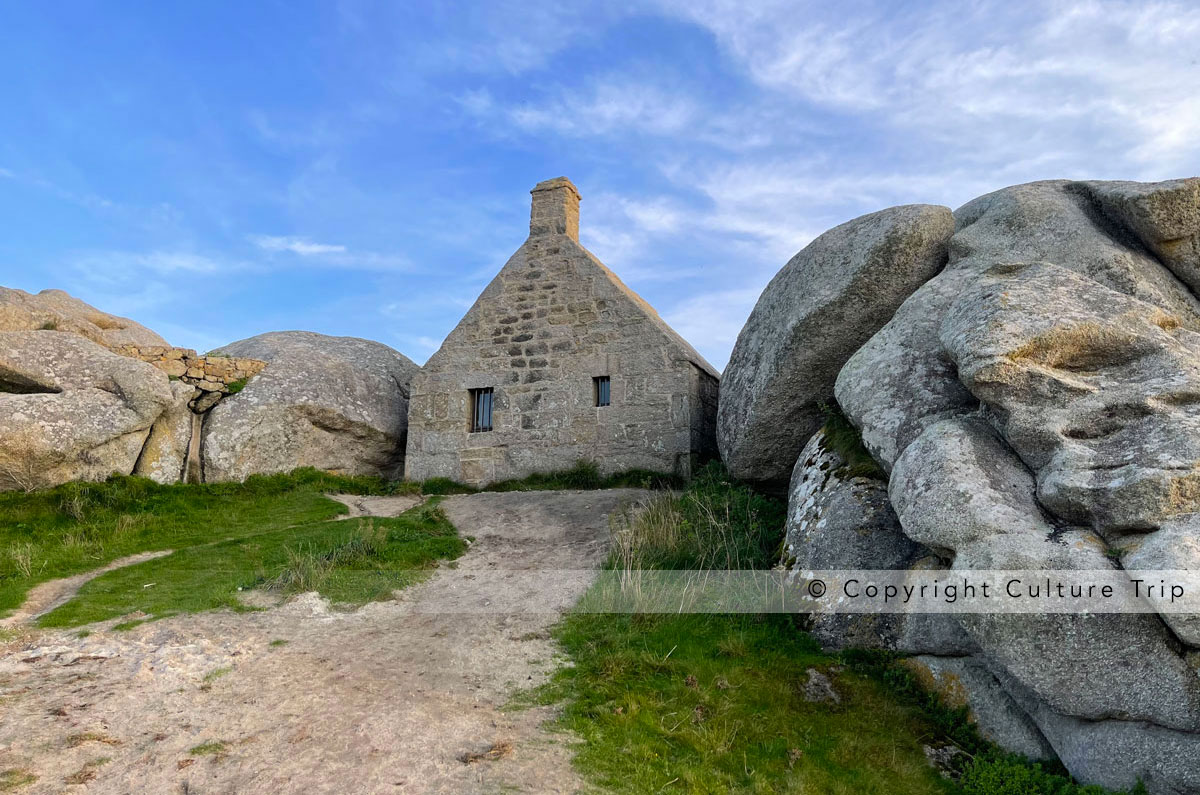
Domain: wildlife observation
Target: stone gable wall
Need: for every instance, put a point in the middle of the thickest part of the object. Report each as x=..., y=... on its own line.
x=551, y=321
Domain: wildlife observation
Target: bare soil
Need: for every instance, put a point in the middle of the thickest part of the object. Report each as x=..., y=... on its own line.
x=405, y=696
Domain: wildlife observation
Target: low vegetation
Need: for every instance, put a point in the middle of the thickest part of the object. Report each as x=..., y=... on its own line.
x=717, y=703
x=689, y=703
x=583, y=475
x=279, y=532
x=841, y=437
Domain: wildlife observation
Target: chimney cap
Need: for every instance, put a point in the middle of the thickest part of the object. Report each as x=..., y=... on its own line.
x=557, y=182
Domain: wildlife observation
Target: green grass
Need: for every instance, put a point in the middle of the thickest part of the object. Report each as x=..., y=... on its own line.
x=14, y=778
x=216, y=674
x=583, y=475
x=714, y=523
x=227, y=537
x=711, y=703
x=714, y=703
x=231, y=536
x=233, y=387
x=210, y=576
x=211, y=748
x=844, y=439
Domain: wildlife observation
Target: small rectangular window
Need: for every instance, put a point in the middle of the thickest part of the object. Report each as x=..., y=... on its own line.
x=481, y=410
x=603, y=390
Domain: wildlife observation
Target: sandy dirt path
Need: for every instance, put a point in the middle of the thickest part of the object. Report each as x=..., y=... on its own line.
x=303, y=699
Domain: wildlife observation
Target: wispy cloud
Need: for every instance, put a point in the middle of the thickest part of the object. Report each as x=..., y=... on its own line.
x=989, y=75
x=711, y=320
x=330, y=255
x=622, y=104
x=296, y=245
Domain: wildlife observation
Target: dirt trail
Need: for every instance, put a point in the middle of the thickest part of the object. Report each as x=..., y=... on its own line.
x=45, y=597
x=299, y=698
x=376, y=506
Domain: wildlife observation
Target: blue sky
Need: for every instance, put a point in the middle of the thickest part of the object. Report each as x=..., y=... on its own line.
x=216, y=170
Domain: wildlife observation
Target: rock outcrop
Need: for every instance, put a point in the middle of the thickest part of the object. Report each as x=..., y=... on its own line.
x=335, y=403
x=817, y=311
x=165, y=453
x=840, y=518
x=1037, y=405
x=55, y=310
x=1165, y=216
x=72, y=410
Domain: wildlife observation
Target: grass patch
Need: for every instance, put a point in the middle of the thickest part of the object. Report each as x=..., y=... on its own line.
x=76, y=740
x=843, y=438
x=80, y=526
x=716, y=703
x=211, y=748
x=216, y=674
x=227, y=537
x=233, y=387
x=984, y=768
x=583, y=475
x=330, y=557
x=714, y=523
x=88, y=772
x=277, y=643
x=14, y=778
x=276, y=529
x=711, y=703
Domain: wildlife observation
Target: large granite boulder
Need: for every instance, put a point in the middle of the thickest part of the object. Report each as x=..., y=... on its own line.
x=903, y=378
x=334, y=403
x=55, y=310
x=1098, y=393
x=817, y=311
x=901, y=381
x=72, y=410
x=1035, y=405
x=839, y=518
x=961, y=489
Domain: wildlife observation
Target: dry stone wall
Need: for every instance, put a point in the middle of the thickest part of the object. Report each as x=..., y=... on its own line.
x=211, y=373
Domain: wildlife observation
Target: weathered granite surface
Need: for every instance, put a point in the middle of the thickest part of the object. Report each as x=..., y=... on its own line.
x=72, y=410
x=817, y=311
x=334, y=403
x=55, y=310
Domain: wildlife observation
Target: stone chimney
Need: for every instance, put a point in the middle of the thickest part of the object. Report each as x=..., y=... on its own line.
x=555, y=209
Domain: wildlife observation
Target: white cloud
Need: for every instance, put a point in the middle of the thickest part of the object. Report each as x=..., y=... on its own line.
x=711, y=321
x=611, y=104
x=296, y=245
x=1084, y=76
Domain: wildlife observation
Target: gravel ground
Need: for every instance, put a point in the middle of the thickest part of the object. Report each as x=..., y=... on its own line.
x=391, y=697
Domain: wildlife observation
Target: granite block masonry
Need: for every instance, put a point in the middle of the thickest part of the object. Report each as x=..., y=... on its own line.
x=520, y=385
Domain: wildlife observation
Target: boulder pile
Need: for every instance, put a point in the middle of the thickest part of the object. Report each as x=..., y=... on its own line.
x=85, y=394
x=1028, y=382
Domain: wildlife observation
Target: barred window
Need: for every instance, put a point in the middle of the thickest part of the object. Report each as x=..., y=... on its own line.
x=603, y=390
x=481, y=410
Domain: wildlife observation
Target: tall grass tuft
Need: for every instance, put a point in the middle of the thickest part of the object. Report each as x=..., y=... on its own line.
x=713, y=524
x=308, y=569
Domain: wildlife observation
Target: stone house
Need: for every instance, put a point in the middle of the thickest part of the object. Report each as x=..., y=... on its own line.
x=557, y=362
